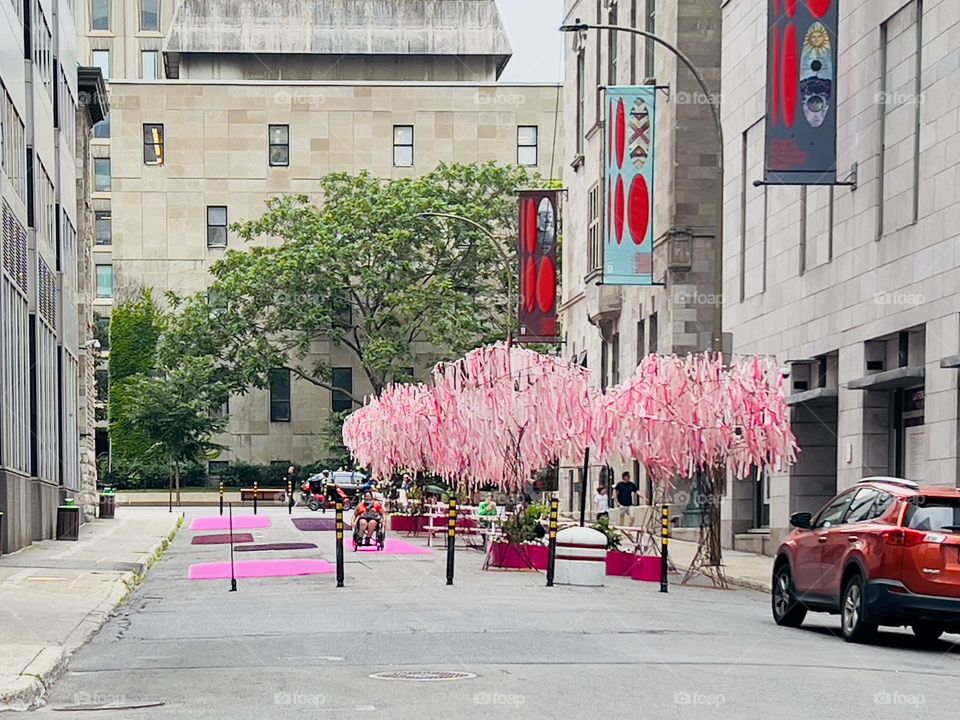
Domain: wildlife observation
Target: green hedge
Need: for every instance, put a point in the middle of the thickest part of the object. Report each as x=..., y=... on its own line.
x=152, y=478
x=244, y=474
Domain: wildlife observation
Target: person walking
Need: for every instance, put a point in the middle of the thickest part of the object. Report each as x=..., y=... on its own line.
x=601, y=505
x=626, y=491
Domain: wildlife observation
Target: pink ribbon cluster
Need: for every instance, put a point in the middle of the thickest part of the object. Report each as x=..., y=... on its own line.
x=501, y=413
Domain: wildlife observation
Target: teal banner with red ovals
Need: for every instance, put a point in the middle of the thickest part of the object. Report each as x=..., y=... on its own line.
x=801, y=127
x=539, y=235
x=628, y=240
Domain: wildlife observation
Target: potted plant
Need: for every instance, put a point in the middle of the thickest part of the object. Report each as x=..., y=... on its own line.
x=521, y=546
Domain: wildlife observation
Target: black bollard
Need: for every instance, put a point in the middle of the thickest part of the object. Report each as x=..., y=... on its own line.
x=256, y=493
x=552, y=558
x=221, y=498
x=339, y=527
x=289, y=497
x=664, y=542
x=233, y=575
x=451, y=538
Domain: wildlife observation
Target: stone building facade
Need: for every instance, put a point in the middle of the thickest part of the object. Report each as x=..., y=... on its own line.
x=610, y=328
x=856, y=291
x=254, y=113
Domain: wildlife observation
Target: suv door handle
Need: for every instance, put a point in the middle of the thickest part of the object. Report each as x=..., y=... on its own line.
x=852, y=538
x=822, y=539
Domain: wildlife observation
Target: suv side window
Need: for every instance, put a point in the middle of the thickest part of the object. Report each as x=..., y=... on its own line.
x=863, y=504
x=883, y=503
x=833, y=513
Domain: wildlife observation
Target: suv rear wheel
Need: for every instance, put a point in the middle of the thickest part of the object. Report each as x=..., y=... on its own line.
x=787, y=610
x=852, y=625
x=927, y=632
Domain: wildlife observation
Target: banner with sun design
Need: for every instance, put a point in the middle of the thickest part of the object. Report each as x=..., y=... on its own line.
x=801, y=132
x=628, y=243
x=539, y=238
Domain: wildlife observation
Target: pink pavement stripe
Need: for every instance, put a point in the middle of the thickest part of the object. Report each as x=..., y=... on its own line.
x=240, y=522
x=397, y=547
x=259, y=569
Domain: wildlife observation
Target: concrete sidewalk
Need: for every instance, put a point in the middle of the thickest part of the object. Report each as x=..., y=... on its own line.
x=742, y=569
x=55, y=595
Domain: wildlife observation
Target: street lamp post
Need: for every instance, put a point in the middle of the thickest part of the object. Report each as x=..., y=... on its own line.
x=714, y=102
x=508, y=265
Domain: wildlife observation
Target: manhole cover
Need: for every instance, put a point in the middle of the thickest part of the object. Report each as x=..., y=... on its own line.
x=423, y=675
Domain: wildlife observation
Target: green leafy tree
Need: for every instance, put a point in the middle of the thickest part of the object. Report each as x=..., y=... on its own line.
x=135, y=328
x=363, y=270
x=178, y=412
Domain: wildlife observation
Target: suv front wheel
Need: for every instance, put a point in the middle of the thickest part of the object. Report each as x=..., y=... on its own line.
x=787, y=610
x=852, y=605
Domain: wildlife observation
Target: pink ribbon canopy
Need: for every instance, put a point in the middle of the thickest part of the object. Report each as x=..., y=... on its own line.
x=501, y=413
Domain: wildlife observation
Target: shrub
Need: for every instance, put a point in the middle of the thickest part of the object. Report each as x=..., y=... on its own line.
x=127, y=477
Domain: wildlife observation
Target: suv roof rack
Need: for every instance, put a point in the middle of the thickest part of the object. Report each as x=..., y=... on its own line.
x=913, y=485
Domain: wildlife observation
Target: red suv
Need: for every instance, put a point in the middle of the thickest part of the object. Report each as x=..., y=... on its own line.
x=884, y=552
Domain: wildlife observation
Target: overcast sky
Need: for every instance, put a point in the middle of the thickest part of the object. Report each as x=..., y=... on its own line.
x=537, y=45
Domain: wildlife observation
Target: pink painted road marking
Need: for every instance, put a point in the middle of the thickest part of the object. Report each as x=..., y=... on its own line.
x=240, y=522
x=259, y=569
x=397, y=547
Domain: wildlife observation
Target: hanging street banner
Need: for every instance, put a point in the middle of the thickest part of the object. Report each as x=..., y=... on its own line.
x=539, y=231
x=628, y=241
x=801, y=132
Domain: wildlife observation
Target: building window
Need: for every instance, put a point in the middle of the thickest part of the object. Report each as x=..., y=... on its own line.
x=403, y=145
x=150, y=15
x=215, y=467
x=654, y=331
x=103, y=385
x=594, y=231
x=150, y=64
x=527, y=137
x=613, y=48
x=641, y=341
x=101, y=130
x=102, y=330
x=101, y=59
x=342, y=379
x=650, y=25
x=101, y=168
x=104, y=227
x=104, y=281
x=280, y=395
x=279, y=136
x=13, y=146
x=216, y=226
x=100, y=15
x=581, y=100
x=153, y=144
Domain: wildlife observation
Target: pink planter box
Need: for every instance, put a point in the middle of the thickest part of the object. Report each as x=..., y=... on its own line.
x=407, y=523
x=620, y=563
x=504, y=555
x=647, y=568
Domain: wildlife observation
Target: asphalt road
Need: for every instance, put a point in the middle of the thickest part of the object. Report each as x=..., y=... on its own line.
x=298, y=646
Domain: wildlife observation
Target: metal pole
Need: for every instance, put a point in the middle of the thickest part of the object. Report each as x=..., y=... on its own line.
x=664, y=543
x=221, y=498
x=339, y=528
x=551, y=562
x=451, y=538
x=583, y=487
x=256, y=493
x=233, y=575
x=504, y=255
x=289, y=497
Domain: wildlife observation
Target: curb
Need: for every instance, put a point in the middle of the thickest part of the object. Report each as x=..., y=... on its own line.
x=29, y=690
